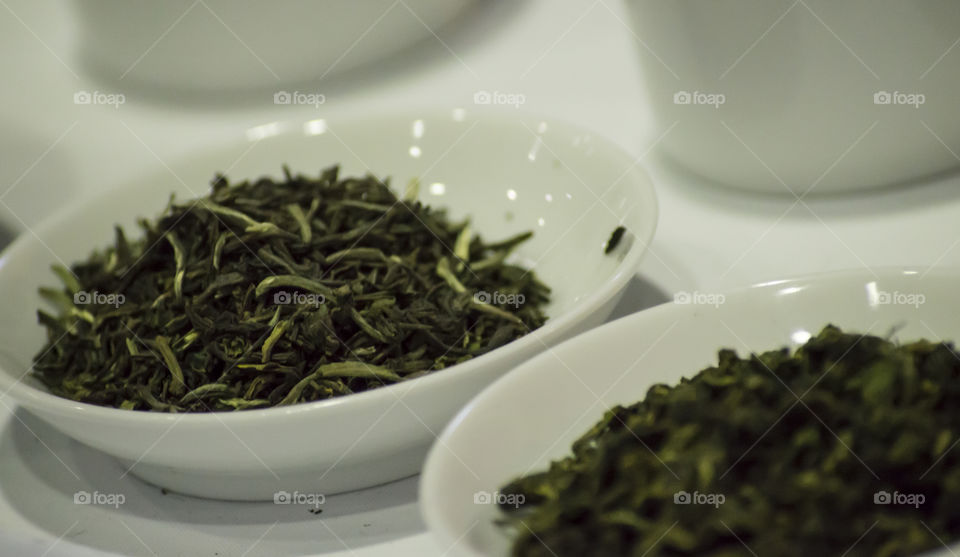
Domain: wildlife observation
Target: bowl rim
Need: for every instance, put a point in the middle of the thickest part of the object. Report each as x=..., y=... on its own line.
x=430, y=489
x=648, y=210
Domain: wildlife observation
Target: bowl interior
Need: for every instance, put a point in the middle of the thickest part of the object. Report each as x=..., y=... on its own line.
x=508, y=174
x=500, y=435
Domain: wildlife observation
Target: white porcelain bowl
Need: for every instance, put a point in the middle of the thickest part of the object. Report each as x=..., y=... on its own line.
x=503, y=433
x=509, y=174
x=225, y=45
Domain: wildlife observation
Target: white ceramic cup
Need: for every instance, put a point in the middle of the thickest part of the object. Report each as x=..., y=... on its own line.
x=226, y=45
x=803, y=95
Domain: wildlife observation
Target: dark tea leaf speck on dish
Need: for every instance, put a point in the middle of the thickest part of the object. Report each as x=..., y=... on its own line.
x=614, y=239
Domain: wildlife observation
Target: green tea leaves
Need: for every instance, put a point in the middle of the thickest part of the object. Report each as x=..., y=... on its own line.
x=266, y=293
x=844, y=447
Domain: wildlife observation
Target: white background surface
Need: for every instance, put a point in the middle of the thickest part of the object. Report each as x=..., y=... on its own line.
x=570, y=59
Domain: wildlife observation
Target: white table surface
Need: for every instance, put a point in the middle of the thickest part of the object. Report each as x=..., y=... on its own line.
x=572, y=59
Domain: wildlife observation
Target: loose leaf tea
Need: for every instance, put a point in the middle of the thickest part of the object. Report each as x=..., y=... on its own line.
x=731, y=463
x=270, y=293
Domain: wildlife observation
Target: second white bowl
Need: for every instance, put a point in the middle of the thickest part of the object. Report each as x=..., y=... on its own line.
x=502, y=434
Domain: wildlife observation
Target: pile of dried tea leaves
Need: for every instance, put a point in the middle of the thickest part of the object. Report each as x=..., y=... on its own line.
x=271, y=292
x=730, y=462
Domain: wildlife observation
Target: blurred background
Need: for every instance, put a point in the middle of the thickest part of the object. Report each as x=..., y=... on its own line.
x=769, y=97
x=784, y=137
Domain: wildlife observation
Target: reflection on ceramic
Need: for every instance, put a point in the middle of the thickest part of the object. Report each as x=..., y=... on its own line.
x=225, y=45
x=532, y=416
x=780, y=96
x=381, y=435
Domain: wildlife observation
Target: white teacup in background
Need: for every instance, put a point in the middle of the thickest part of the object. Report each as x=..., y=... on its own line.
x=804, y=95
x=225, y=45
